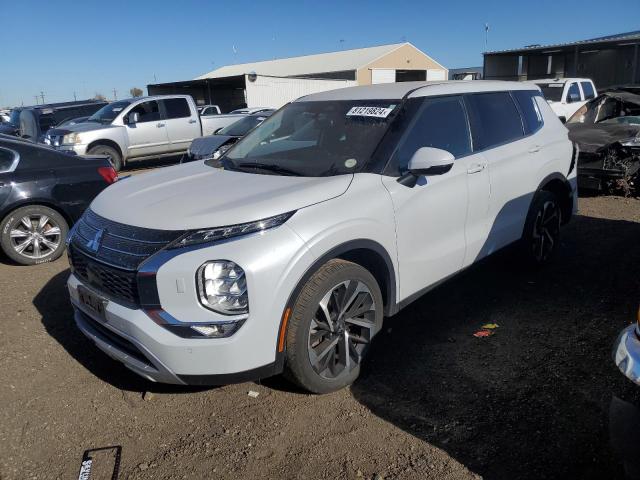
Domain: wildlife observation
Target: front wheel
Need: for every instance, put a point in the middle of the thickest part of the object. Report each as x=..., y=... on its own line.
x=334, y=320
x=33, y=234
x=541, y=237
x=112, y=153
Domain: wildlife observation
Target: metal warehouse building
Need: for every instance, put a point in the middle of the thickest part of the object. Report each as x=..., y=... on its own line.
x=608, y=61
x=273, y=83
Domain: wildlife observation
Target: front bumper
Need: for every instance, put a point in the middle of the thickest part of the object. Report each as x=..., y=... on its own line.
x=626, y=353
x=78, y=148
x=131, y=337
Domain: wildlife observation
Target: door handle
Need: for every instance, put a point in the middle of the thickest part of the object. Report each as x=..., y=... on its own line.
x=192, y=120
x=534, y=149
x=159, y=125
x=476, y=168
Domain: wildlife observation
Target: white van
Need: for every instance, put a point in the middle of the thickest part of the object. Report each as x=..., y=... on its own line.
x=337, y=211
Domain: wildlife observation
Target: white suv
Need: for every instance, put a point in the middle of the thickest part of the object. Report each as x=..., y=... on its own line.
x=337, y=211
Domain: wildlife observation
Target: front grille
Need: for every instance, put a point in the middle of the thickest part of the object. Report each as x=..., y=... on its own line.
x=107, y=254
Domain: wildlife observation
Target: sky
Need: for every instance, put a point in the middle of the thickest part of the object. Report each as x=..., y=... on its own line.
x=91, y=46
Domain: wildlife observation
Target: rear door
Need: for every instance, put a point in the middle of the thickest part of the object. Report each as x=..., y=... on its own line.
x=149, y=135
x=498, y=133
x=182, y=123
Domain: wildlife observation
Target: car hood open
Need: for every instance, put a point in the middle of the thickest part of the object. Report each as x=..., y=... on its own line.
x=194, y=195
x=590, y=137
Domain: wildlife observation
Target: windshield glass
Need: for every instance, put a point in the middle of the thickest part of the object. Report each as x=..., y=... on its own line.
x=242, y=126
x=552, y=91
x=605, y=109
x=15, y=117
x=108, y=113
x=315, y=139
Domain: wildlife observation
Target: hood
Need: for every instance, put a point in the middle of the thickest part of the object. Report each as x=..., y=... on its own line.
x=204, y=146
x=590, y=137
x=81, y=127
x=194, y=195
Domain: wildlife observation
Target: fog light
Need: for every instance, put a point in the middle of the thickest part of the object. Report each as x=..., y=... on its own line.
x=217, y=330
x=222, y=287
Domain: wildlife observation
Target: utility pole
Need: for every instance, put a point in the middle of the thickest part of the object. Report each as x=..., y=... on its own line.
x=74, y=97
x=36, y=96
x=486, y=36
x=42, y=95
x=115, y=94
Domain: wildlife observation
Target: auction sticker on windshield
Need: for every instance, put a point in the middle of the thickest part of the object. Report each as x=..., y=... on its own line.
x=378, y=112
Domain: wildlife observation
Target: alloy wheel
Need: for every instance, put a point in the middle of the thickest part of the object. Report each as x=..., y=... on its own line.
x=35, y=236
x=341, y=329
x=546, y=231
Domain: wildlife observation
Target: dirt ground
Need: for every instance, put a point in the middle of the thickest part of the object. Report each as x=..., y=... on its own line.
x=434, y=402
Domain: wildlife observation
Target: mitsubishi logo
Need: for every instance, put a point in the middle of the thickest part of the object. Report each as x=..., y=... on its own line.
x=94, y=245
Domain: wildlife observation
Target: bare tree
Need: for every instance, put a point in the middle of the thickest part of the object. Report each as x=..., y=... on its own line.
x=136, y=92
x=99, y=96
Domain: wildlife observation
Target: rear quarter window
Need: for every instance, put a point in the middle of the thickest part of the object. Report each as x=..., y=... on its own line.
x=588, y=90
x=531, y=115
x=177, y=108
x=494, y=119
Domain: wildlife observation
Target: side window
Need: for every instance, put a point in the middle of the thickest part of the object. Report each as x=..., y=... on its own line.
x=494, y=119
x=148, y=111
x=587, y=88
x=176, y=108
x=440, y=123
x=526, y=100
x=573, y=95
x=8, y=160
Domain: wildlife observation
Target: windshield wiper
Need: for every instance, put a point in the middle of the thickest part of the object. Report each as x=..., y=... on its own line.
x=269, y=168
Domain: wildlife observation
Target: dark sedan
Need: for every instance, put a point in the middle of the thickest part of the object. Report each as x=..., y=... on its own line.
x=42, y=192
x=213, y=146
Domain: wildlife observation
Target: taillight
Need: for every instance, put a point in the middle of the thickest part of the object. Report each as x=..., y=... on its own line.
x=108, y=173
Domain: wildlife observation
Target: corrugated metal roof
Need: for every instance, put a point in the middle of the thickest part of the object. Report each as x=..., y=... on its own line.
x=308, y=64
x=628, y=36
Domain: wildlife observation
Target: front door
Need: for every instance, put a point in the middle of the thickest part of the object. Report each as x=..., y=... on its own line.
x=431, y=216
x=148, y=136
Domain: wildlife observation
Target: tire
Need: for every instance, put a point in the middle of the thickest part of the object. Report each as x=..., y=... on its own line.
x=316, y=349
x=33, y=234
x=112, y=153
x=541, y=237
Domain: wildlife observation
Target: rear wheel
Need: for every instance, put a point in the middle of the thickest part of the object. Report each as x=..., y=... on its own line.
x=112, y=153
x=33, y=234
x=333, y=322
x=541, y=237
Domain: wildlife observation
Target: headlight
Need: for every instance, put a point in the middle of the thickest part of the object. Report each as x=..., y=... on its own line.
x=220, y=233
x=71, y=138
x=222, y=287
x=222, y=150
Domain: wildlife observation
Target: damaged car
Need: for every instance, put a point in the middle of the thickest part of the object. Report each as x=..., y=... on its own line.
x=607, y=132
x=213, y=146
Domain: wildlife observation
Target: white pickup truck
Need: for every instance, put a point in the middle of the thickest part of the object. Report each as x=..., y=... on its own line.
x=137, y=129
x=566, y=95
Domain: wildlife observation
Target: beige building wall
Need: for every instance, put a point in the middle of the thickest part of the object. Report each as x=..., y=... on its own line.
x=407, y=57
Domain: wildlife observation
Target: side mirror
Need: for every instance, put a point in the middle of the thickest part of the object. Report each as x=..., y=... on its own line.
x=427, y=161
x=133, y=118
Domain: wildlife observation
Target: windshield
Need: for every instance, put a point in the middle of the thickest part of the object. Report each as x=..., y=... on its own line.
x=552, y=91
x=15, y=117
x=315, y=139
x=242, y=126
x=606, y=109
x=108, y=113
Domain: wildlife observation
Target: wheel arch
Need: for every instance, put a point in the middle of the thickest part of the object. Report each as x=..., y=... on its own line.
x=557, y=184
x=108, y=143
x=34, y=202
x=370, y=255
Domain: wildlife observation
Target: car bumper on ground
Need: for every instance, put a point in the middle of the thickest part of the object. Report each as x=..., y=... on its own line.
x=626, y=353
